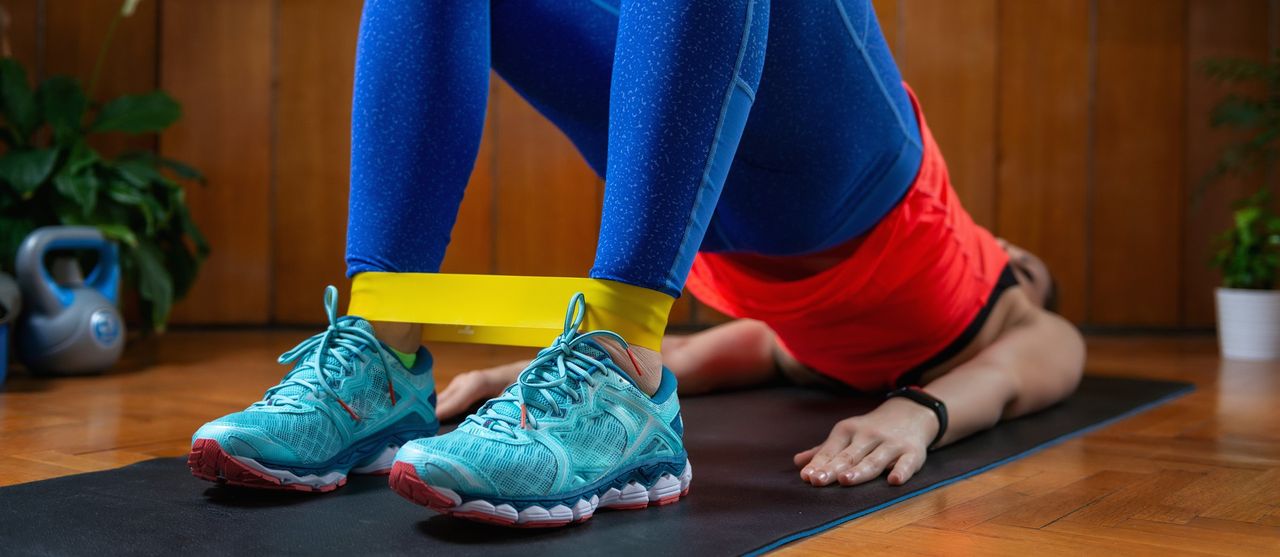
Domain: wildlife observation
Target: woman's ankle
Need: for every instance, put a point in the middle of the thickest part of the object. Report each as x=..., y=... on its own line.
x=404, y=337
x=643, y=365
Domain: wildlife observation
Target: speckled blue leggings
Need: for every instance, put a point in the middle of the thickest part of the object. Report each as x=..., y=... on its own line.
x=656, y=96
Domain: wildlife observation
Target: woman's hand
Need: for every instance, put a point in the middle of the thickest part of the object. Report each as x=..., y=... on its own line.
x=894, y=436
x=474, y=386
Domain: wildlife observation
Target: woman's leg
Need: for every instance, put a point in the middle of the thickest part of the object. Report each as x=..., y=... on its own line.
x=681, y=81
x=572, y=434
x=421, y=84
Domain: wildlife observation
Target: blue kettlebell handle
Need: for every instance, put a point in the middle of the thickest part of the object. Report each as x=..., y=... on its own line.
x=38, y=286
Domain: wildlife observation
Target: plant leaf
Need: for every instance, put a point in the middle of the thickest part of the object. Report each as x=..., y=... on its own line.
x=150, y=112
x=152, y=212
x=119, y=233
x=182, y=264
x=13, y=230
x=183, y=170
x=179, y=168
x=80, y=188
x=189, y=226
x=62, y=103
x=26, y=169
x=17, y=103
x=1238, y=112
x=140, y=172
x=124, y=193
x=80, y=157
x=155, y=285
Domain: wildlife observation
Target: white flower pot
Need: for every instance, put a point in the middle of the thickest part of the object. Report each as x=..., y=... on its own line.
x=1249, y=324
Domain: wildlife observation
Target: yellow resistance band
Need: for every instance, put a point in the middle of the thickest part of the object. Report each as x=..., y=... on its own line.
x=497, y=309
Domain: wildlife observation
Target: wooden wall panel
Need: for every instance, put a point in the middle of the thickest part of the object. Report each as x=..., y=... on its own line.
x=948, y=55
x=216, y=59
x=1044, y=137
x=548, y=199
x=1138, y=189
x=24, y=34
x=887, y=16
x=316, y=45
x=1218, y=29
x=78, y=27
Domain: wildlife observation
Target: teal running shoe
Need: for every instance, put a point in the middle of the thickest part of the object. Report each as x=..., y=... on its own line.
x=347, y=405
x=572, y=435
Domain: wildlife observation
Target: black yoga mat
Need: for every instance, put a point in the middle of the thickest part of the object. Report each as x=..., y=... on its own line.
x=746, y=496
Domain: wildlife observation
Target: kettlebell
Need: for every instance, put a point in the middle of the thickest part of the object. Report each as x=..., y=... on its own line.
x=72, y=325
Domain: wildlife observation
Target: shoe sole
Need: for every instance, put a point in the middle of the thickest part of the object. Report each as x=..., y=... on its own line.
x=666, y=490
x=208, y=461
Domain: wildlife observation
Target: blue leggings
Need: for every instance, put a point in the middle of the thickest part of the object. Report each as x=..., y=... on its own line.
x=656, y=96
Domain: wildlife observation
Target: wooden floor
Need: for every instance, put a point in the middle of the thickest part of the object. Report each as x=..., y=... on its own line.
x=1198, y=476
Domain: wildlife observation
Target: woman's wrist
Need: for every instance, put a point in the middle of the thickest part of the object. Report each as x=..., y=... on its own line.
x=921, y=420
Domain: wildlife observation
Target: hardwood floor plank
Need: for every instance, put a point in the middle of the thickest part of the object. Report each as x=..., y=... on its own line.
x=1124, y=503
x=1082, y=542
x=14, y=470
x=1237, y=541
x=1256, y=502
x=1187, y=541
x=977, y=510
x=1041, y=511
x=1184, y=505
x=1235, y=527
x=899, y=516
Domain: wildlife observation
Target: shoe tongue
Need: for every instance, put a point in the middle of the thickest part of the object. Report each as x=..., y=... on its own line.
x=590, y=348
x=512, y=409
x=353, y=322
x=312, y=374
x=329, y=357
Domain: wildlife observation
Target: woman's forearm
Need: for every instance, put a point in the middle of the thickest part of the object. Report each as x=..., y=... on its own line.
x=1031, y=366
x=732, y=355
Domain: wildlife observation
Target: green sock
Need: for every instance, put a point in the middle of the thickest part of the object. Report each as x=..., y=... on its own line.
x=406, y=359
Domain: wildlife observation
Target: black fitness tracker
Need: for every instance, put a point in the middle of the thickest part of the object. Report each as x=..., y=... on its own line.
x=917, y=395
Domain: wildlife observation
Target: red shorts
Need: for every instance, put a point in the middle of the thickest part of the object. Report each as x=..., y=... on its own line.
x=910, y=288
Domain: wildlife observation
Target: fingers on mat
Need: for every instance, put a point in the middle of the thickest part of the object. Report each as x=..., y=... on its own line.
x=803, y=458
x=836, y=442
x=848, y=458
x=906, y=467
x=871, y=466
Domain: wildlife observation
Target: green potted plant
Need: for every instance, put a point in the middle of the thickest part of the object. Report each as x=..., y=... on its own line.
x=1249, y=254
x=50, y=174
x=1248, y=304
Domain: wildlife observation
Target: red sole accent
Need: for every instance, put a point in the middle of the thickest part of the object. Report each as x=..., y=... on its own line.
x=543, y=524
x=668, y=500
x=485, y=518
x=208, y=461
x=404, y=480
